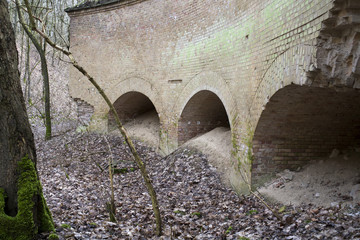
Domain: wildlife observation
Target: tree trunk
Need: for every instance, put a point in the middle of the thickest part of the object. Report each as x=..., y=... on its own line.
x=44, y=72
x=23, y=211
x=27, y=75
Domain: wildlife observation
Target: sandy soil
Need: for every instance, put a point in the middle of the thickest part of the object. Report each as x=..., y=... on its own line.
x=331, y=181
x=144, y=128
x=217, y=145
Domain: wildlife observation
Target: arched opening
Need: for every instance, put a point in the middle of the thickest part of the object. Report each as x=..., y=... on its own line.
x=139, y=116
x=203, y=112
x=302, y=123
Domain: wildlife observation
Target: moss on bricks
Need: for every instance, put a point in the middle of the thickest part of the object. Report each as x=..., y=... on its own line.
x=22, y=226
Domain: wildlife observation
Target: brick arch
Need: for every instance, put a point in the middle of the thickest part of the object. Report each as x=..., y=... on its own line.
x=294, y=121
x=141, y=85
x=212, y=82
x=130, y=106
x=289, y=67
x=302, y=123
x=202, y=113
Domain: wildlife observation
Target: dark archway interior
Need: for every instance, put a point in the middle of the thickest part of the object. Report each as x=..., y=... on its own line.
x=303, y=123
x=203, y=112
x=130, y=106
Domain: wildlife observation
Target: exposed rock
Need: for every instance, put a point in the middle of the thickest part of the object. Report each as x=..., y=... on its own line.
x=286, y=175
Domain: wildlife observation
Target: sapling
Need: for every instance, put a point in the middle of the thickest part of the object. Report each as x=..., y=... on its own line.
x=123, y=131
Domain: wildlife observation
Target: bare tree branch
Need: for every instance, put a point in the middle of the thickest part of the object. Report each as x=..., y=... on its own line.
x=124, y=133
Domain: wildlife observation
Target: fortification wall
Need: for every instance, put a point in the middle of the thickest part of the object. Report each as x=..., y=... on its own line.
x=243, y=51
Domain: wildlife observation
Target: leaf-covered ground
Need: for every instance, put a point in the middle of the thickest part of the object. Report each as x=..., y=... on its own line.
x=193, y=202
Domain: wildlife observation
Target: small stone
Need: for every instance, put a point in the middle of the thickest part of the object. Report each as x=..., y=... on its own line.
x=287, y=219
x=355, y=192
x=336, y=238
x=335, y=152
x=315, y=211
x=305, y=185
x=330, y=233
x=110, y=223
x=286, y=175
x=324, y=212
x=335, y=205
x=293, y=238
x=289, y=176
x=77, y=235
x=317, y=195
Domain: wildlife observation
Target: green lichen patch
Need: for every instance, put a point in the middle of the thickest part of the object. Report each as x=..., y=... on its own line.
x=22, y=226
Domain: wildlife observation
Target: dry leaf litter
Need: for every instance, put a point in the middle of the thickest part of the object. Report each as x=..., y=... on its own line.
x=194, y=203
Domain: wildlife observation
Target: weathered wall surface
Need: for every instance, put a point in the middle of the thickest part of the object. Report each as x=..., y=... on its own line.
x=242, y=51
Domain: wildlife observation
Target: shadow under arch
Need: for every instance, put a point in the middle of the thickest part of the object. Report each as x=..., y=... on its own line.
x=141, y=85
x=210, y=81
x=202, y=113
x=131, y=106
x=303, y=123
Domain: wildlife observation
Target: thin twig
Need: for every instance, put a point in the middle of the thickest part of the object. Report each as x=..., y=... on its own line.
x=247, y=182
x=112, y=201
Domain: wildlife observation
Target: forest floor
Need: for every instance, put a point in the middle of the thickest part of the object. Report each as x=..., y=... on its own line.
x=194, y=203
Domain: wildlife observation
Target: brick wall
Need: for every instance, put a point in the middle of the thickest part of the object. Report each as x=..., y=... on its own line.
x=84, y=111
x=129, y=106
x=302, y=123
x=243, y=51
x=202, y=113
